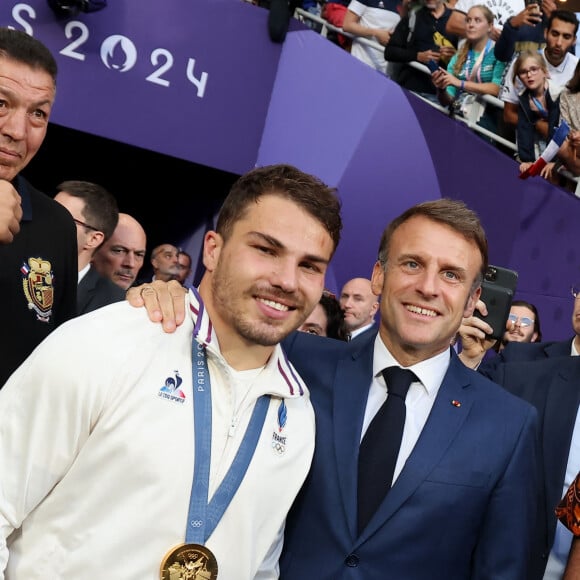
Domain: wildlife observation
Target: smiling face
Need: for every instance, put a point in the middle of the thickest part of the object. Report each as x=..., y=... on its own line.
x=265, y=279
x=426, y=288
x=515, y=332
x=26, y=98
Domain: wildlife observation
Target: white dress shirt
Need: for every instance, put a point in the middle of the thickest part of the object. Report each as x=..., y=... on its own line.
x=83, y=272
x=360, y=330
x=420, y=397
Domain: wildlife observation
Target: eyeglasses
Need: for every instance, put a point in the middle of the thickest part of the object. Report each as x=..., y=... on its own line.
x=524, y=320
x=575, y=291
x=529, y=71
x=80, y=223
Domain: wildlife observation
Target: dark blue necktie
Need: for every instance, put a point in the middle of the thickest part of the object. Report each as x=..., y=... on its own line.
x=379, y=448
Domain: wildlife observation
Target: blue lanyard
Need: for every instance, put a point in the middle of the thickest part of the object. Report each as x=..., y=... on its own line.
x=543, y=113
x=203, y=517
x=470, y=57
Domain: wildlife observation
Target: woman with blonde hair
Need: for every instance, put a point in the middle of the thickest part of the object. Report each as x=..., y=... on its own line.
x=473, y=71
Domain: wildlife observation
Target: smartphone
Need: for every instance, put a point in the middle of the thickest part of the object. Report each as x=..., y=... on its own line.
x=536, y=4
x=502, y=276
x=433, y=66
x=497, y=291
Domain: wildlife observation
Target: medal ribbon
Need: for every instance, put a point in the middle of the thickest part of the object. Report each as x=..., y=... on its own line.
x=203, y=517
x=475, y=74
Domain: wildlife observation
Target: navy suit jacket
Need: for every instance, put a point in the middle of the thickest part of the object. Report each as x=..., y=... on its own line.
x=526, y=351
x=372, y=330
x=552, y=385
x=95, y=291
x=449, y=515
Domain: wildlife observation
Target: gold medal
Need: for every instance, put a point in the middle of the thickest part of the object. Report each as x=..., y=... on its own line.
x=189, y=562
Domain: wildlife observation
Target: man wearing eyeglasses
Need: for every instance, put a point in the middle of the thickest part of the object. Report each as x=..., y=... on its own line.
x=475, y=343
x=546, y=374
x=95, y=213
x=523, y=324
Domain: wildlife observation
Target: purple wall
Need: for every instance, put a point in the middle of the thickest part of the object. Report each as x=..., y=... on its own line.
x=125, y=74
x=305, y=102
x=386, y=150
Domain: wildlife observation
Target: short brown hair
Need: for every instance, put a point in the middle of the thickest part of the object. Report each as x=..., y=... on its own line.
x=449, y=212
x=307, y=191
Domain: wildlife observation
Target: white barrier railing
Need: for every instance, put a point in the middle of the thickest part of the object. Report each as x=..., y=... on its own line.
x=326, y=26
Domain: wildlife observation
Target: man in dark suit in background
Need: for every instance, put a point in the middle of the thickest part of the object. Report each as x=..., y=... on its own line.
x=468, y=455
x=359, y=305
x=547, y=374
x=121, y=257
x=95, y=213
x=184, y=263
x=552, y=385
x=475, y=343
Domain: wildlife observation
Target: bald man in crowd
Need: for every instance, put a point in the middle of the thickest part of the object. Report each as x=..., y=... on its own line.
x=121, y=257
x=359, y=305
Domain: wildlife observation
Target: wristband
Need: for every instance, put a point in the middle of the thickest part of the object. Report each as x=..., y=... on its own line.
x=462, y=85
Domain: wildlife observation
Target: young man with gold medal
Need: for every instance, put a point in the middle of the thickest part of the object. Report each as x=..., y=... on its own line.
x=128, y=453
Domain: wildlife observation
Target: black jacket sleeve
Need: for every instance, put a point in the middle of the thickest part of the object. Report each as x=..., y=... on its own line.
x=398, y=49
x=506, y=43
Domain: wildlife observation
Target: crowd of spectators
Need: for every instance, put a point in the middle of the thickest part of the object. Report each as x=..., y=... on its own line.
x=468, y=51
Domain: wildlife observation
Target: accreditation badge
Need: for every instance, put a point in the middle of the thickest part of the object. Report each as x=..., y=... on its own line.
x=189, y=561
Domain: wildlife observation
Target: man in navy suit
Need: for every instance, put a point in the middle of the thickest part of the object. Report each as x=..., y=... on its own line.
x=95, y=213
x=359, y=305
x=467, y=460
x=552, y=385
x=462, y=503
x=475, y=343
x=547, y=374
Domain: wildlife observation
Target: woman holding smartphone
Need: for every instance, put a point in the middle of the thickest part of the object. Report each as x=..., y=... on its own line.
x=473, y=71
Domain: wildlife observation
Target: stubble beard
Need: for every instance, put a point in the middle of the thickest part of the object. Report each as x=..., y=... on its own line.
x=252, y=331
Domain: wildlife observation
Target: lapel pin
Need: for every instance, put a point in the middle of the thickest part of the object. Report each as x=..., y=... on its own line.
x=456, y=403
